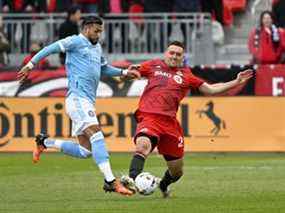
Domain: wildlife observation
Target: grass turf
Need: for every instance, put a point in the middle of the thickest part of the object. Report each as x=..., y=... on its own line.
x=213, y=183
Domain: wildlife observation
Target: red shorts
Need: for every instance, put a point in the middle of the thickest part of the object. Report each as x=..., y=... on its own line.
x=165, y=129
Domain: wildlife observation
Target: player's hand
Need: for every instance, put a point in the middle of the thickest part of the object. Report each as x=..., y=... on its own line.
x=244, y=76
x=131, y=72
x=24, y=72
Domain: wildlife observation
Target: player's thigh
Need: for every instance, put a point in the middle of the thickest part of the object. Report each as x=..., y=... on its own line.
x=171, y=145
x=84, y=141
x=175, y=167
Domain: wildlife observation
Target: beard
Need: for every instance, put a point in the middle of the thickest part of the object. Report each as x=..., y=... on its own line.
x=93, y=42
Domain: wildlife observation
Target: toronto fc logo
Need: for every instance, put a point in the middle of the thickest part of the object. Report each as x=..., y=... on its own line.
x=177, y=79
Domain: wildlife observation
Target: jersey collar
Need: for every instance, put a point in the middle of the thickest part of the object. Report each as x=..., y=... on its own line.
x=86, y=39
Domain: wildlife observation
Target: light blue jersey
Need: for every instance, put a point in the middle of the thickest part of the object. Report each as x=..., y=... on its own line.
x=84, y=62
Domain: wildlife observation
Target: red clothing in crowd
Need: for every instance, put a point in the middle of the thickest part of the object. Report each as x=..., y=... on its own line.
x=43, y=64
x=166, y=87
x=262, y=48
x=18, y=5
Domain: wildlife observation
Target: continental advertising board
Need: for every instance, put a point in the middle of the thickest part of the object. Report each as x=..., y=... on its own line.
x=215, y=124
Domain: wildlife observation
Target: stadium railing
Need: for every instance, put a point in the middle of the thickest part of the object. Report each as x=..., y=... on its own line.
x=126, y=36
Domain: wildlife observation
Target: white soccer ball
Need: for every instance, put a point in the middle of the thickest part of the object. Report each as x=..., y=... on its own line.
x=146, y=183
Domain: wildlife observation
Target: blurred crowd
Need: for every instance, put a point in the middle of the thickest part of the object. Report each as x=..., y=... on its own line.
x=266, y=41
x=115, y=6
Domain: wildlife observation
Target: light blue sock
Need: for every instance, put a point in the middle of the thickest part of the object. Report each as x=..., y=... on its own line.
x=101, y=156
x=68, y=147
x=99, y=150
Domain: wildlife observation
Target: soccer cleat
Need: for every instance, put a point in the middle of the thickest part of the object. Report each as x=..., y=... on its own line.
x=165, y=191
x=117, y=187
x=40, y=147
x=129, y=183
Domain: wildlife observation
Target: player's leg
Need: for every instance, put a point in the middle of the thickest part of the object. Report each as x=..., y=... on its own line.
x=144, y=146
x=171, y=146
x=172, y=174
x=101, y=158
x=78, y=150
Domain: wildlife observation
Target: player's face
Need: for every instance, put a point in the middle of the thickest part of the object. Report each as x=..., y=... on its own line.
x=174, y=56
x=94, y=32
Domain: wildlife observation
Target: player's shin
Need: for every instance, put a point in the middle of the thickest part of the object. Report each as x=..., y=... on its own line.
x=168, y=179
x=101, y=156
x=137, y=165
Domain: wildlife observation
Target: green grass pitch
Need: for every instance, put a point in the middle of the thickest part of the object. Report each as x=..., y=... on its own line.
x=213, y=183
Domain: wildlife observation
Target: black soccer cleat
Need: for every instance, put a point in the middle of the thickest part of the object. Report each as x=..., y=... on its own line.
x=165, y=191
x=40, y=138
x=40, y=147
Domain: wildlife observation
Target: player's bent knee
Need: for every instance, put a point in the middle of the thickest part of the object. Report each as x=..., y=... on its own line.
x=143, y=145
x=84, y=153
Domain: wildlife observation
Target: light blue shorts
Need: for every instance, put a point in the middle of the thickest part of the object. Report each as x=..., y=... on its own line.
x=82, y=113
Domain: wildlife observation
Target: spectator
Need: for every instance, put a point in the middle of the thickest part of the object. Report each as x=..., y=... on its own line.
x=24, y=29
x=158, y=6
x=4, y=46
x=264, y=42
x=214, y=7
x=278, y=10
x=34, y=49
x=69, y=27
x=58, y=6
x=88, y=6
x=184, y=6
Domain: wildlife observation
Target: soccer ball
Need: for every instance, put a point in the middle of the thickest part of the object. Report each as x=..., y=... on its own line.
x=146, y=183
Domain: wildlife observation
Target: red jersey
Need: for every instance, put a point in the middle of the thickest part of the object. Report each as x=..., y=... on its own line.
x=166, y=87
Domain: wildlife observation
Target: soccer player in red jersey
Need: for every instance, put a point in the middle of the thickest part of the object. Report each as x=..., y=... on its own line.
x=168, y=83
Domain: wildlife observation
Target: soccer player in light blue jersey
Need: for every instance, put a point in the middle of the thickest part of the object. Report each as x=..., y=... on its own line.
x=84, y=66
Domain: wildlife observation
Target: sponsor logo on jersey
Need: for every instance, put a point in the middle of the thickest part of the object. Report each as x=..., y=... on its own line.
x=161, y=73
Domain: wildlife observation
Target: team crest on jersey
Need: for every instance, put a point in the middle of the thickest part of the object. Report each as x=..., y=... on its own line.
x=91, y=113
x=178, y=79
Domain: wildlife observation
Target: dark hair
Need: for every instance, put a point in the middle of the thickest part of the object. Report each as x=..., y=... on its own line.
x=266, y=12
x=91, y=20
x=275, y=36
x=72, y=10
x=177, y=43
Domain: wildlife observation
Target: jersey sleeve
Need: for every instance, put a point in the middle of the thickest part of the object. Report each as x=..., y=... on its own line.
x=194, y=82
x=103, y=61
x=145, y=68
x=68, y=43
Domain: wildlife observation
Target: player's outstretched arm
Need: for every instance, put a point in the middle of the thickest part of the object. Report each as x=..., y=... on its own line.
x=212, y=89
x=46, y=51
x=131, y=72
